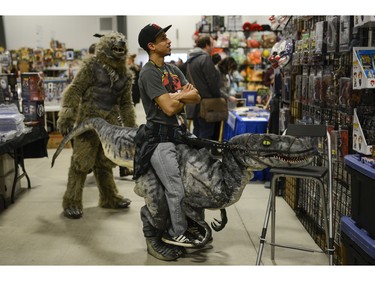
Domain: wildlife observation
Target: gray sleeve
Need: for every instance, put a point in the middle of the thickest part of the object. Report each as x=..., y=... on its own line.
x=152, y=83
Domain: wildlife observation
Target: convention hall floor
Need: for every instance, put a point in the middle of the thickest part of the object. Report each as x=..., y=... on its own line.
x=34, y=231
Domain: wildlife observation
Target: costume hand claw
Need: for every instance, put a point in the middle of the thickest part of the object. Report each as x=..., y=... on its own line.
x=66, y=129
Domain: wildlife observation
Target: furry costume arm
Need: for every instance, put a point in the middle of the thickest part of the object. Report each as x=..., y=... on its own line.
x=127, y=112
x=72, y=98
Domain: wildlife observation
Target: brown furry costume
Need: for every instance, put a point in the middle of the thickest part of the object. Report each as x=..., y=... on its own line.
x=101, y=88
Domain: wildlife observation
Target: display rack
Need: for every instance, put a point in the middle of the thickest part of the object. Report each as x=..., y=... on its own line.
x=319, y=88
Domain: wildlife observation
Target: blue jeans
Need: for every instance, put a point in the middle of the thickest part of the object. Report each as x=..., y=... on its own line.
x=164, y=162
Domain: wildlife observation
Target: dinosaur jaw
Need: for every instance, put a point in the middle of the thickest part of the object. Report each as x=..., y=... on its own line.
x=286, y=161
x=270, y=150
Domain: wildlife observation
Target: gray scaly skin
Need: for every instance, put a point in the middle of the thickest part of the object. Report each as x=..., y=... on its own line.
x=209, y=183
x=117, y=141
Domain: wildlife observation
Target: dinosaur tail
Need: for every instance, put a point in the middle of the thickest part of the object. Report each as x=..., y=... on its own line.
x=81, y=128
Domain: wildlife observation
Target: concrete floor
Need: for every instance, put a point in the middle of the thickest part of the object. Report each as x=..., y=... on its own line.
x=34, y=232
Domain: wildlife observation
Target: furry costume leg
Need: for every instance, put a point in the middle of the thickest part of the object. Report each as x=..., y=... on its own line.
x=72, y=200
x=109, y=196
x=88, y=154
x=85, y=146
x=103, y=172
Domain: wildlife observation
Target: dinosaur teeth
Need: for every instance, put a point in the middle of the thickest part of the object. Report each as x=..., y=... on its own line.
x=294, y=159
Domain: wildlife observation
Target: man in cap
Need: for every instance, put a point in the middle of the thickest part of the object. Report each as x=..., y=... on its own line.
x=164, y=92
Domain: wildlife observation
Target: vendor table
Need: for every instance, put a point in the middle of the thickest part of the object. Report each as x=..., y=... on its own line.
x=238, y=124
x=29, y=145
x=247, y=120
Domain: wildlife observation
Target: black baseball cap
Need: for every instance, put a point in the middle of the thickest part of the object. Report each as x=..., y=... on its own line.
x=149, y=33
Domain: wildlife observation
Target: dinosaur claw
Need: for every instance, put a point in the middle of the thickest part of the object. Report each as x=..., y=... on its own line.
x=199, y=244
x=217, y=227
x=214, y=226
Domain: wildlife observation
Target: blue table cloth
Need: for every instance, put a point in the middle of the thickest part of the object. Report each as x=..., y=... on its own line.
x=238, y=124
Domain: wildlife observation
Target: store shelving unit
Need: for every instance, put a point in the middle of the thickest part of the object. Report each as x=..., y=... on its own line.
x=318, y=88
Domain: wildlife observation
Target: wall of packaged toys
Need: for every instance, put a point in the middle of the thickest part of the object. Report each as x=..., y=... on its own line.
x=34, y=79
x=248, y=43
x=327, y=68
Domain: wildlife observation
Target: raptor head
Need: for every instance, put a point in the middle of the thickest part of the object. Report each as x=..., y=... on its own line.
x=112, y=45
x=259, y=151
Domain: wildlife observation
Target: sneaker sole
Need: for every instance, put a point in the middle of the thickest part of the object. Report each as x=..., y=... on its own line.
x=176, y=243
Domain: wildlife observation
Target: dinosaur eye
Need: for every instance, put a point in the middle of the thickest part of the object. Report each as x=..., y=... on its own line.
x=266, y=142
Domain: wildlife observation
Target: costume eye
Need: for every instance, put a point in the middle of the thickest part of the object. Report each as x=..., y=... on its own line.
x=266, y=142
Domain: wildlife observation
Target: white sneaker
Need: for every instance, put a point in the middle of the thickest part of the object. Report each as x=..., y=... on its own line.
x=183, y=240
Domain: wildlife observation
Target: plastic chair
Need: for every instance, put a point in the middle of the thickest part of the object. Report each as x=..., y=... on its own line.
x=320, y=174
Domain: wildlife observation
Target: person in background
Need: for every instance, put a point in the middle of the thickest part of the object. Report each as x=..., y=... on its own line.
x=216, y=58
x=164, y=92
x=124, y=171
x=226, y=67
x=201, y=72
x=92, y=49
x=136, y=69
x=96, y=92
x=179, y=62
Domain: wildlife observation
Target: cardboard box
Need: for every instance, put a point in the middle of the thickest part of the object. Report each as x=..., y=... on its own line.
x=32, y=86
x=250, y=97
x=363, y=21
x=332, y=38
x=360, y=144
x=363, y=68
x=321, y=35
x=4, y=88
x=54, y=140
x=34, y=112
x=346, y=31
x=54, y=89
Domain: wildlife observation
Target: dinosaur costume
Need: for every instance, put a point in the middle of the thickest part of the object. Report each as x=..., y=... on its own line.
x=101, y=88
x=209, y=183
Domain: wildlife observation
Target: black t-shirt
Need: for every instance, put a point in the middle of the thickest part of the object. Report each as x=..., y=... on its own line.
x=154, y=82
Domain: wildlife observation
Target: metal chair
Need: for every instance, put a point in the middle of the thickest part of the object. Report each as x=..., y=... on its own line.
x=320, y=174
